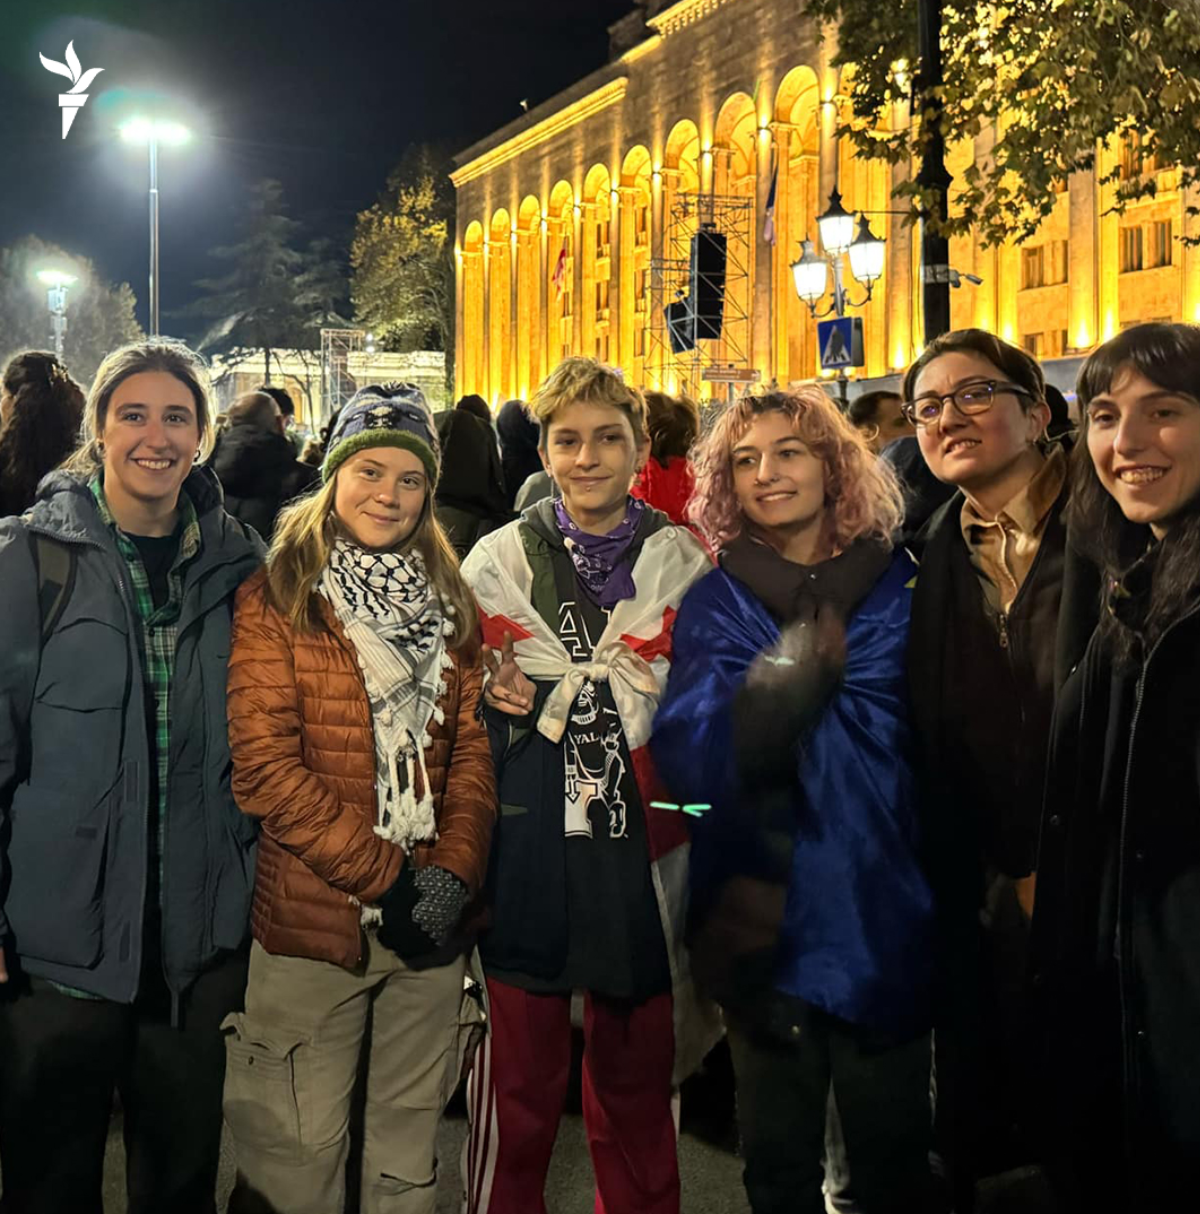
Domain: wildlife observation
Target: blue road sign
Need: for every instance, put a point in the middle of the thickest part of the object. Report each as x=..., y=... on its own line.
x=840, y=343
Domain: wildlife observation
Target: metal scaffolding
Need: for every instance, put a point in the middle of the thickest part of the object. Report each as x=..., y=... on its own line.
x=337, y=384
x=670, y=280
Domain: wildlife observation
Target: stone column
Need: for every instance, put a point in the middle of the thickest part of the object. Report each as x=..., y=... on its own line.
x=542, y=354
x=485, y=385
x=1082, y=326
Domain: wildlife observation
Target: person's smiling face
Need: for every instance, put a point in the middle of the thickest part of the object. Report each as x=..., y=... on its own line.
x=150, y=436
x=379, y=496
x=779, y=482
x=973, y=451
x=592, y=454
x=1145, y=445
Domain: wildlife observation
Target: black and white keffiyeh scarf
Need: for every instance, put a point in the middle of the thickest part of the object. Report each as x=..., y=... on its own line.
x=396, y=623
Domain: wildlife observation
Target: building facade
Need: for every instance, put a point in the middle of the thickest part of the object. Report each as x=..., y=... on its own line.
x=575, y=222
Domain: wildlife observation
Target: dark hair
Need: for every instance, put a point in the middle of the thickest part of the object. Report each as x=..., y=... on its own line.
x=673, y=423
x=1060, y=413
x=255, y=409
x=41, y=425
x=477, y=405
x=864, y=409
x=1169, y=356
x=1017, y=366
x=281, y=397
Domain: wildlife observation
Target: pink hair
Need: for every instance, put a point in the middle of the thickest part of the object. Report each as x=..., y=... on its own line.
x=862, y=490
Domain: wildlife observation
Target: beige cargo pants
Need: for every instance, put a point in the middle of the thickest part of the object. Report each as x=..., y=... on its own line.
x=292, y=1059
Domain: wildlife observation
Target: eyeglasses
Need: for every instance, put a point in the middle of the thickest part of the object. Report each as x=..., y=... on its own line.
x=973, y=399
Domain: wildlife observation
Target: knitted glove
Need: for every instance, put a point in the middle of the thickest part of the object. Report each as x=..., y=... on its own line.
x=442, y=902
x=420, y=911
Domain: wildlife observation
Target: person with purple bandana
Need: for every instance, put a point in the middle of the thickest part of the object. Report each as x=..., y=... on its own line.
x=587, y=873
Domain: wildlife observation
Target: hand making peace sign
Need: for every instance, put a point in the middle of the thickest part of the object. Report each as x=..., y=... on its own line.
x=507, y=688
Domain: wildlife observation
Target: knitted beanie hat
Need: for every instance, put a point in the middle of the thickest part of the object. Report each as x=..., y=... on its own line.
x=384, y=415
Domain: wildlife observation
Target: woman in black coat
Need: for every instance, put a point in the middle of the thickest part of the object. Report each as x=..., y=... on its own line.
x=1001, y=609
x=1117, y=929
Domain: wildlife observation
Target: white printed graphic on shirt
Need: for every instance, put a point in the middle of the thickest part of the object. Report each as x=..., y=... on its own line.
x=597, y=782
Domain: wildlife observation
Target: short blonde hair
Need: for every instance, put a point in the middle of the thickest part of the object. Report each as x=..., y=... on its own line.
x=591, y=382
x=172, y=357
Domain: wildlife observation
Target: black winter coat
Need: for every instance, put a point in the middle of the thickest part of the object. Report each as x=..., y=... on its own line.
x=260, y=474
x=1116, y=934
x=983, y=698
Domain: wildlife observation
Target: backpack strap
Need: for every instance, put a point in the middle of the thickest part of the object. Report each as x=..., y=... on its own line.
x=54, y=564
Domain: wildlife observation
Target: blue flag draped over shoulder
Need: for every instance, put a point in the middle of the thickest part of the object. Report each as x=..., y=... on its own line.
x=856, y=936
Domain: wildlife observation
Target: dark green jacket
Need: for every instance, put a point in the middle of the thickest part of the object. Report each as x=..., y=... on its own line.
x=75, y=762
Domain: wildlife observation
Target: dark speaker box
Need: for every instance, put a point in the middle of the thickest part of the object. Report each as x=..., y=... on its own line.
x=708, y=282
x=681, y=326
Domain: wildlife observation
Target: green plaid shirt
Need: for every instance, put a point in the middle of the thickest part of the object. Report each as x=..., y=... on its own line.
x=159, y=632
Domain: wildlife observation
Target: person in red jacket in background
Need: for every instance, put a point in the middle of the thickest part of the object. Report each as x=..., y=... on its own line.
x=666, y=481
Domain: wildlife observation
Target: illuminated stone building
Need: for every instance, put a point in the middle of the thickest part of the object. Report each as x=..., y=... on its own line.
x=574, y=221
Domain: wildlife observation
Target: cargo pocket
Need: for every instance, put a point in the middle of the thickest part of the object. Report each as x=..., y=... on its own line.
x=261, y=1105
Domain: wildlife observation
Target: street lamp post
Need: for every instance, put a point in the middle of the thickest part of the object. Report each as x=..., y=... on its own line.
x=810, y=271
x=152, y=133
x=56, y=284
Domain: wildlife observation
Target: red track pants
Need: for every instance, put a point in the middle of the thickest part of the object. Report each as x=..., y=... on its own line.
x=518, y=1086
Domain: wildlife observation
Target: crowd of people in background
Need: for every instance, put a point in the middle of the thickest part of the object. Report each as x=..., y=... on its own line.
x=337, y=774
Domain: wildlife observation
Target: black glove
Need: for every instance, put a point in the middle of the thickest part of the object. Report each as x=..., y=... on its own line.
x=784, y=693
x=420, y=911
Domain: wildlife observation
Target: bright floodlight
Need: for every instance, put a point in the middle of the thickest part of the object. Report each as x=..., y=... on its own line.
x=143, y=130
x=56, y=278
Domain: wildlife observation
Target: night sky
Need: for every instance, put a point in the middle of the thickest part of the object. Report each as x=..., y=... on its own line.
x=322, y=96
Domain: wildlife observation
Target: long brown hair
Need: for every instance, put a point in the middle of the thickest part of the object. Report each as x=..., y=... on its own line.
x=304, y=537
x=41, y=427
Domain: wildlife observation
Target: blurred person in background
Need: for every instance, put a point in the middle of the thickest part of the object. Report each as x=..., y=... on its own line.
x=41, y=408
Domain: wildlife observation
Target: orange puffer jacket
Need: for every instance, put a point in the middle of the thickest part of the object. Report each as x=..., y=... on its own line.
x=304, y=763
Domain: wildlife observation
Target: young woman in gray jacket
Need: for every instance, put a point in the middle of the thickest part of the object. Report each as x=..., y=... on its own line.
x=125, y=866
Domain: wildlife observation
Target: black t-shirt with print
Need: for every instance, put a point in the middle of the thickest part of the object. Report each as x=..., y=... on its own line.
x=616, y=946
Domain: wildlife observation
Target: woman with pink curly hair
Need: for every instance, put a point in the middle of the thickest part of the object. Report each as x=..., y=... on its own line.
x=785, y=731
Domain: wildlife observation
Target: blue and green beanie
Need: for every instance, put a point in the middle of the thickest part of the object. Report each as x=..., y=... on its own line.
x=384, y=415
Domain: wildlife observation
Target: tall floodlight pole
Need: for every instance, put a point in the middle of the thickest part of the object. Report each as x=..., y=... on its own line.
x=933, y=177
x=152, y=133
x=56, y=284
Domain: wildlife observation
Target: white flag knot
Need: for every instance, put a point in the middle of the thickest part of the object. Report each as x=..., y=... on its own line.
x=616, y=663
x=75, y=97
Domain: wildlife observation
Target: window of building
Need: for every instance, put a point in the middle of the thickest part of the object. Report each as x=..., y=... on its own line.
x=1131, y=248
x=1060, y=257
x=1161, y=244
x=1031, y=343
x=1033, y=267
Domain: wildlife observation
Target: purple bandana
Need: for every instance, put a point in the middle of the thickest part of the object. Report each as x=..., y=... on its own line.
x=599, y=560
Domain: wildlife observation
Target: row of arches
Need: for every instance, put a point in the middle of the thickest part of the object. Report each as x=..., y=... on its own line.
x=572, y=271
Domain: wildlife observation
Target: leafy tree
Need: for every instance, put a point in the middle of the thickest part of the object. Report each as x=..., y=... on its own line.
x=1053, y=78
x=100, y=315
x=402, y=258
x=274, y=296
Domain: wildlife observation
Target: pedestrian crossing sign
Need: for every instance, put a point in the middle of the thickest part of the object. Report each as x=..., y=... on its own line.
x=840, y=343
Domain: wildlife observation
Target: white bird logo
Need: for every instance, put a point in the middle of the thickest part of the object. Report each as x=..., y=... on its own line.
x=75, y=98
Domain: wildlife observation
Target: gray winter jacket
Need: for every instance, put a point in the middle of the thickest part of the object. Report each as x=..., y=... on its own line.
x=75, y=756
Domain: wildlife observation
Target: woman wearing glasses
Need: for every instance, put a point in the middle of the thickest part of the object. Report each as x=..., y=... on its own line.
x=1119, y=899
x=995, y=625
